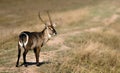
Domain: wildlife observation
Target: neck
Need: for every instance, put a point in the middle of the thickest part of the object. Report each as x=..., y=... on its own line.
x=46, y=35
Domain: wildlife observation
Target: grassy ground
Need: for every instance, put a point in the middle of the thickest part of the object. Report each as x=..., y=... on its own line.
x=87, y=41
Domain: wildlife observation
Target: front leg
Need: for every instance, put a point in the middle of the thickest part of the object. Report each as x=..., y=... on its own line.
x=37, y=52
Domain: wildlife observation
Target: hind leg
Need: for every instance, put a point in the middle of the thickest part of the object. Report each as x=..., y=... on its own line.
x=19, y=54
x=24, y=57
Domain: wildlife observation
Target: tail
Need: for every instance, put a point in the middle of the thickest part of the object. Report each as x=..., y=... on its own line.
x=23, y=39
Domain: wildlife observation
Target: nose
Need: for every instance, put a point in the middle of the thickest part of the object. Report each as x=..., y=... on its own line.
x=55, y=33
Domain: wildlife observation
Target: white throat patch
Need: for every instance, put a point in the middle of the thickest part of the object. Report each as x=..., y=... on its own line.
x=49, y=36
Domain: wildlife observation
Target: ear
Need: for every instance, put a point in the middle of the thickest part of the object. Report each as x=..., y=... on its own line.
x=54, y=24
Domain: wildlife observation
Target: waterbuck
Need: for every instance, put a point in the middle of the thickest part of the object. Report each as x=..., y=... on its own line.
x=35, y=40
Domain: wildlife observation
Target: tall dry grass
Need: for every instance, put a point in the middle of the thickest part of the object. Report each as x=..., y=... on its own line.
x=89, y=54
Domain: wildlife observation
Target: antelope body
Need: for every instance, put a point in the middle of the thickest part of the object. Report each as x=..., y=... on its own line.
x=34, y=40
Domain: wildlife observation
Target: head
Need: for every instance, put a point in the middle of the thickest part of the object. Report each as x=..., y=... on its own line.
x=50, y=27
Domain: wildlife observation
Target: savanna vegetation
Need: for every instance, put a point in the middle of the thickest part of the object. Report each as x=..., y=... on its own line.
x=88, y=39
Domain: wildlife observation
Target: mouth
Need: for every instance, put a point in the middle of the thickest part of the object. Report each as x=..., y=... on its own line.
x=54, y=34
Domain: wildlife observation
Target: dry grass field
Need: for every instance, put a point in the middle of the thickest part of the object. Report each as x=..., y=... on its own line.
x=88, y=39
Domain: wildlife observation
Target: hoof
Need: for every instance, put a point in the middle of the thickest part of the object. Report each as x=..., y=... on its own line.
x=38, y=64
x=16, y=65
x=25, y=65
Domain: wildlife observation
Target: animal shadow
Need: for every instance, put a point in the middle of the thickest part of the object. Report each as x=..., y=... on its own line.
x=34, y=63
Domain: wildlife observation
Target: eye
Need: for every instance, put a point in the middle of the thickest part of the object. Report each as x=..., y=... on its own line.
x=50, y=28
